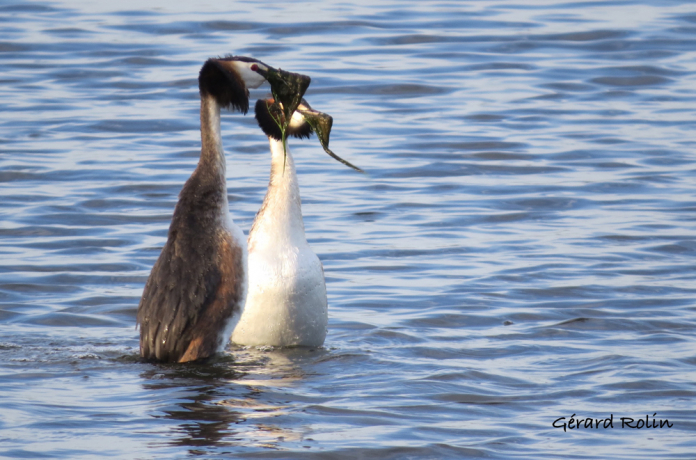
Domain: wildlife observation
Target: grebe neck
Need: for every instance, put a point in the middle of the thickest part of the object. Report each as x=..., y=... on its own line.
x=212, y=155
x=282, y=206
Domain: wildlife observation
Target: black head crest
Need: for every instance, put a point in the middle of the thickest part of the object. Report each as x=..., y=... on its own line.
x=224, y=84
x=269, y=114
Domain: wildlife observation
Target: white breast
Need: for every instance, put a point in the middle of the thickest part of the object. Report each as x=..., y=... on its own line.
x=286, y=301
x=239, y=238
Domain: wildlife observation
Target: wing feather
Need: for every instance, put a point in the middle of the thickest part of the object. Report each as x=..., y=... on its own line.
x=195, y=285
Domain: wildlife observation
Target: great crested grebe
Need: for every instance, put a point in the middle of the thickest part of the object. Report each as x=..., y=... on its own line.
x=286, y=302
x=197, y=288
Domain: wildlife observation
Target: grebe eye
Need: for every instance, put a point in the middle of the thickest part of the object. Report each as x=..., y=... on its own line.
x=254, y=67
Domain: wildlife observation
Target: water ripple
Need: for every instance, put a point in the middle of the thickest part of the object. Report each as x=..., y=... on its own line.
x=520, y=250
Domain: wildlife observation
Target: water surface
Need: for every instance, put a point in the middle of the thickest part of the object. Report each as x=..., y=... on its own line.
x=522, y=248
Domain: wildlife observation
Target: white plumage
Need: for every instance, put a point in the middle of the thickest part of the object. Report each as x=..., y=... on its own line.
x=286, y=302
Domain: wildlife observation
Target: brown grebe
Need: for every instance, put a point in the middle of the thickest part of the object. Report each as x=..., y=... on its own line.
x=197, y=288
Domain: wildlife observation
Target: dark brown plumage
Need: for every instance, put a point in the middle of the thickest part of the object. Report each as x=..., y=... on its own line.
x=195, y=284
x=198, y=283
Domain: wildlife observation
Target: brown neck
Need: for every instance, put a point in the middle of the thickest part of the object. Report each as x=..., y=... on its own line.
x=212, y=155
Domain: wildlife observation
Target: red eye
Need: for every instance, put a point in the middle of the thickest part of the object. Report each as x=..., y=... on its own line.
x=254, y=67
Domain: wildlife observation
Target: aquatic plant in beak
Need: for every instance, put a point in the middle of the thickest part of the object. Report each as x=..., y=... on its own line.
x=271, y=118
x=321, y=124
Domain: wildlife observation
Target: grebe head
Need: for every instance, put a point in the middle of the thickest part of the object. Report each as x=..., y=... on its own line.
x=228, y=80
x=269, y=115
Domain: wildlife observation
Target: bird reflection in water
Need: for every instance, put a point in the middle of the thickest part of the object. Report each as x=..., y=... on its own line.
x=227, y=402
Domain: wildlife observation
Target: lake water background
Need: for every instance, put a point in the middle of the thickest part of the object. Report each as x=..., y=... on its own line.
x=521, y=249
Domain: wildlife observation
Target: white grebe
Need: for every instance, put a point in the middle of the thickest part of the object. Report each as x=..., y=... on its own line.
x=286, y=303
x=197, y=287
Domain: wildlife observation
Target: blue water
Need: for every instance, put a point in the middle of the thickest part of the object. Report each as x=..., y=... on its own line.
x=522, y=249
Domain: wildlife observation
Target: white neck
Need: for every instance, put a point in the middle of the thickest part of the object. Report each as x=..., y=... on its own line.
x=280, y=216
